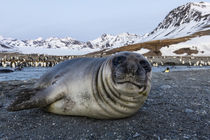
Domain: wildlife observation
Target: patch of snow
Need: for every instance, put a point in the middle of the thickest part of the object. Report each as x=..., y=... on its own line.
x=142, y=51
x=202, y=44
x=204, y=7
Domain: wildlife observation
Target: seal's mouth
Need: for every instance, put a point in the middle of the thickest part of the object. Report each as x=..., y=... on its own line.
x=140, y=86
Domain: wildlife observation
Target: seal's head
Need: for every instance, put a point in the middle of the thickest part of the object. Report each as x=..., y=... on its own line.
x=131, y=73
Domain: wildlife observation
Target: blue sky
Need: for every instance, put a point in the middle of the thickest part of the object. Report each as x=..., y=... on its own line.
x=81, y=19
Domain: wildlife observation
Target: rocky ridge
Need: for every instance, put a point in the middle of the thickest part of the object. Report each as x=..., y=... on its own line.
x=183, y=20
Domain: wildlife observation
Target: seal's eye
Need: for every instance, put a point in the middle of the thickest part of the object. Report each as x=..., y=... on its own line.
x=145, y=65
x=118, y=60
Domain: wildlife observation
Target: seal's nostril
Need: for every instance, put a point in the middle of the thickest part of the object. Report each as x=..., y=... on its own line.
x=132, y=68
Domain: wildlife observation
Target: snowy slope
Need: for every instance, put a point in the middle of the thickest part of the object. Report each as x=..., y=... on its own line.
x=7, y=48
x=201, y=44
x=183, y=21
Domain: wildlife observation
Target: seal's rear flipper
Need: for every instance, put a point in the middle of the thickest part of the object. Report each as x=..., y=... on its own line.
x=24, y=96
x=35, y=98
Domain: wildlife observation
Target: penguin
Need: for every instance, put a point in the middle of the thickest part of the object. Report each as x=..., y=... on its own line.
x=167, y=69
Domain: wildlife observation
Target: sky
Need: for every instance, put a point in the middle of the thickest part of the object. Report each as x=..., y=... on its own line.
x=81, y=19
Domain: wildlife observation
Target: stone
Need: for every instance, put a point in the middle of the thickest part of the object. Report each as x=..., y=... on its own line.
x=164, y=87
x=187, y=110
x=136, y=135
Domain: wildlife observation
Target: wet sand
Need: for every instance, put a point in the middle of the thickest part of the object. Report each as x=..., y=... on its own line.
x=178, y=107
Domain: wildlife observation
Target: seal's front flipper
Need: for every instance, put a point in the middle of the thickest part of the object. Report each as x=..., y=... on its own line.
x=36, y=98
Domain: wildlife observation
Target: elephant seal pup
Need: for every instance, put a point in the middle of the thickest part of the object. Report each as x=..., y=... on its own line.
x=104, y=88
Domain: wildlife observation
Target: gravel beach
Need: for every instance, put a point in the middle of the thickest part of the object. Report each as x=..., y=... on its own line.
x=178, y=107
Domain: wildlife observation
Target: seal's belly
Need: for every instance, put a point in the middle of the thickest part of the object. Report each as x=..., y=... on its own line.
x=82, y=102
x=77, y=107
x=87, y=106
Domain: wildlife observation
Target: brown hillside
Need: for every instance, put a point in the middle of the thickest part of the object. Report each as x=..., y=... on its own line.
x=154, y=46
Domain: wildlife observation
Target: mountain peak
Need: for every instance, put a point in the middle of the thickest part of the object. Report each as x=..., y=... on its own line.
x=186, y=13
x=183, y=20
x=202, y=7
x=199, y=4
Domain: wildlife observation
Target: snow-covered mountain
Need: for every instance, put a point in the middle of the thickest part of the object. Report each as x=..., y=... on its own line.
x=52, y=42
x=181, y=21
x=184, y=31
x=6, y=48
x=69, y=46
x=111, y=41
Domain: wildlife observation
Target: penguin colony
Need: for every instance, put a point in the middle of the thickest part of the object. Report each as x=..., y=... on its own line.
x=49, y=61
x=32, y=61
x=178, y=60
